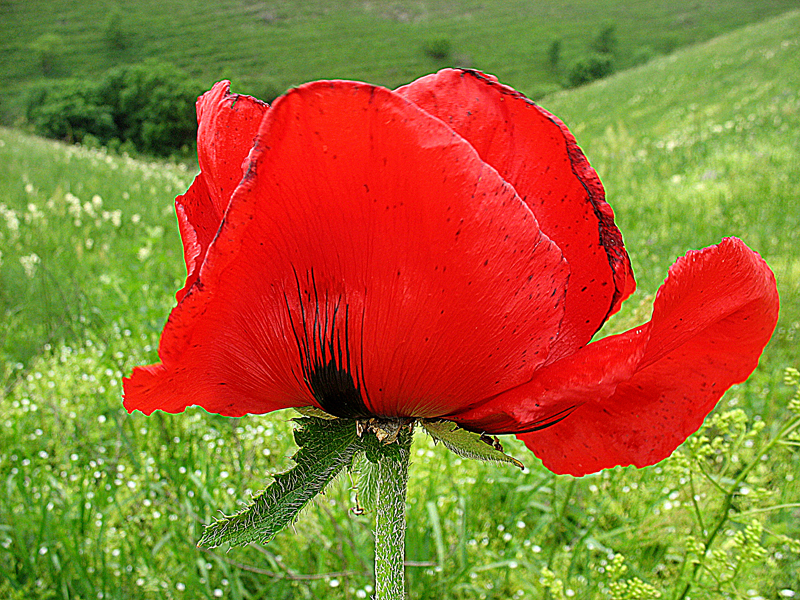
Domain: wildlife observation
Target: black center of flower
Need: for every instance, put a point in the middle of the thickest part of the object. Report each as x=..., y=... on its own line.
x=326, y=363
x=335, y=390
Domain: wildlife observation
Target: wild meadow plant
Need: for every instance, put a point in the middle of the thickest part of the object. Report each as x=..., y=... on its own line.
x=100, y=504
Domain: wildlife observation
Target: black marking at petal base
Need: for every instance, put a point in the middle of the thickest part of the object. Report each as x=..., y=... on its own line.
x=549, y=421
x=544, y=423
x=336, y=391
x=327, y=371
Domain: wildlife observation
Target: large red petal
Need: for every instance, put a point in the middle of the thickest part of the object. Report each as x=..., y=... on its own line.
x=226, y=128
x=198, y=223
x=633, y=398
x=368, y=232
x=535, y=152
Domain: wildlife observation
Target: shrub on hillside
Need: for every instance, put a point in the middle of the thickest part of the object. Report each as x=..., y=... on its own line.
x=589, y=68
x=642, y=54
x=541, y=90
x=266, y=89
x=438, y=49
x=153, y=106
x=150, y=106
x=668, y=43
x=70, y=111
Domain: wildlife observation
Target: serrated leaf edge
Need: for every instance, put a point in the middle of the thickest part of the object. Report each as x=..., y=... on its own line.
x=255, y=528
x=492, y=454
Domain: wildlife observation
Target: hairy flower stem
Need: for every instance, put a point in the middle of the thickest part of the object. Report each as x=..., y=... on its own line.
x=390, y=521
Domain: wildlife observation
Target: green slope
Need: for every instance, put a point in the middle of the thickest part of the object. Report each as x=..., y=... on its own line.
x=266, y=46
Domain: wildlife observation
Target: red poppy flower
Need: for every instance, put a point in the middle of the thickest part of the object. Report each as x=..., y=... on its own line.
x=443, y=250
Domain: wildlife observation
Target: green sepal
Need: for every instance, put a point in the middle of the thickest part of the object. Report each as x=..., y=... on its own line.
x=374, y=450
x=326, y=447
x=313, y=411
x=468, y=443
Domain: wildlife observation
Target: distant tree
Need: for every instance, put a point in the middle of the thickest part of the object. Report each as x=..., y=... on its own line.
x=47, y=49
x=554, y=54
x=114, y=31
x=606, y=40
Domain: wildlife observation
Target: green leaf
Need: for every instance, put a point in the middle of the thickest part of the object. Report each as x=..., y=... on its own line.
x=467, y=443
x=326, y=447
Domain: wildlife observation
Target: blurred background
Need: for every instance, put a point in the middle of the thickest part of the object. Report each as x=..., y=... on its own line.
x=688, y=110
x=78, y=58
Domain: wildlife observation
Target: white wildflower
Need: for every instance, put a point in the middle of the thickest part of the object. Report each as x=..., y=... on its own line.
x=10, y=215
x=73, y=205
x=29, y=263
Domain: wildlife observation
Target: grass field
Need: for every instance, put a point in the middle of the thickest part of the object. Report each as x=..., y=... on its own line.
x=97, y=503
x=265, y=46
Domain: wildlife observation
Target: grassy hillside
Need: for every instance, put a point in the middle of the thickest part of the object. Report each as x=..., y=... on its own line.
x=266, y=46
x=100, y=504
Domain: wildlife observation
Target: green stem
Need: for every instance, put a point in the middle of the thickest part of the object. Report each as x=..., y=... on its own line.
x=390, y=521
